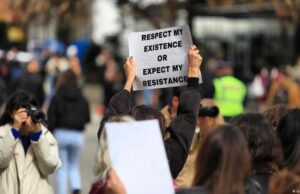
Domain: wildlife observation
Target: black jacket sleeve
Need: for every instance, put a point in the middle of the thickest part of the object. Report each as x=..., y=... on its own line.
x=120, y=104
x=183, y=127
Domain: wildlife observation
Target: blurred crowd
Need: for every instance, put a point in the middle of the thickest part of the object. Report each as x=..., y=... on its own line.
x=252, y=153
x=213, y=146
x=24, y=71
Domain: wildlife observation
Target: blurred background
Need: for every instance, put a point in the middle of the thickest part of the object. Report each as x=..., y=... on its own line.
x=90, y=37
x=252, y=35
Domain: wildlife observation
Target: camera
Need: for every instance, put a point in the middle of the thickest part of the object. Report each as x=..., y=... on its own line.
x=37, y=115
x=212, y=111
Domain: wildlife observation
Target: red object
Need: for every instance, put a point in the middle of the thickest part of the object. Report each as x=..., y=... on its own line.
x=98, y=187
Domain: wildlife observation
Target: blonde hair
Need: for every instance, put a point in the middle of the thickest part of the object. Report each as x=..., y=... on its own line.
x=103, y=161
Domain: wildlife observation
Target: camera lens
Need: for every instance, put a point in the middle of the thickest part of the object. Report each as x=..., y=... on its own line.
x=38, y=116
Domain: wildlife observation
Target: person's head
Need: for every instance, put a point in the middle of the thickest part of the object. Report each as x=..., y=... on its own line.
x=289, y=133
x=103, y=162
x=209, y=116
x=68, y=77
x=33, y=66
x=75, y=65
x=262, y=140
x=286, y=182
x=284, y=74
x=224, y=68
x=275, y=113
x=17, y=100
x=175, y=99
x=223, y=162
x=143, y=112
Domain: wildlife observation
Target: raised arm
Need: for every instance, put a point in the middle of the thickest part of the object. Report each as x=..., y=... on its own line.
x=120, y=103
x=183, y=127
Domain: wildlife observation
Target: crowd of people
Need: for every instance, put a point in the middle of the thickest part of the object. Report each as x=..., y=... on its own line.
x=34, y=144
x=212, y=145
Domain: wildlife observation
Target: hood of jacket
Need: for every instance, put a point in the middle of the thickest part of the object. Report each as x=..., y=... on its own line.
x=70, y=92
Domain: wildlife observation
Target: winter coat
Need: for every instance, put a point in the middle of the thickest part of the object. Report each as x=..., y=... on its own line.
x=27, y=174
x=181, y=129
x=68, y=109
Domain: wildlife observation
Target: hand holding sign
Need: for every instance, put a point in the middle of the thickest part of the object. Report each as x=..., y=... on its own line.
x=195, y=61
x=130, y=71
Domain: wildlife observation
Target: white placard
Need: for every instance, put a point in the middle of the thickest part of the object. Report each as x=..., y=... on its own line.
x=139, y=158
x=161, y=57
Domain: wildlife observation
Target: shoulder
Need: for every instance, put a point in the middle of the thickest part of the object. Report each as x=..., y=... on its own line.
x=4, y=129
x=48, y=135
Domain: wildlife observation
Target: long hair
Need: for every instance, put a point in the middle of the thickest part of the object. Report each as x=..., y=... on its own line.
x=68, y=77
x=103, y=161
x=19, y=99
x=289, y=134
x=286, y=181
x=275, y=113
x=263, y=142
x=223, y=162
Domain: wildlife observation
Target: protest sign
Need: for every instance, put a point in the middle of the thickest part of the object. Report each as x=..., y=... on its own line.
x=138, y=156
x=161, y=57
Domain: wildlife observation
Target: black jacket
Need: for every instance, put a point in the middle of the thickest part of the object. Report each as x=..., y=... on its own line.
x=263, y=179
x=181, y=129
x=68, y=109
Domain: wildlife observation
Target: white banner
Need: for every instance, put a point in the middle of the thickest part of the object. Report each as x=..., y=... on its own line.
x=161, y=57
x=138, y=156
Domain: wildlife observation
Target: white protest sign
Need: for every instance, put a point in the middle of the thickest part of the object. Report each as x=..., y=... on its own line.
x=161, y=57
x=139, y=158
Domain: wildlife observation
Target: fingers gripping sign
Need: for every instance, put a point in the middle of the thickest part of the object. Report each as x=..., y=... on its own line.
x=195, y=61
x=130, y=71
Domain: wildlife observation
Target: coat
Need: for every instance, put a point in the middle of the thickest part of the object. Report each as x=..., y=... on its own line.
x=68, y=109
x=181, y=129
x=27, y=174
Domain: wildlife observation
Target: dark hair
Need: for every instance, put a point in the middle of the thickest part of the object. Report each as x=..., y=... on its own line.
x=289, y=134
x=263, y=141
x=177, y=91
x=275, y=113
x=286, y=182
x=208, y=111
x=223, y=162
x=68, y=77
x=143, y=112
x=19, y=99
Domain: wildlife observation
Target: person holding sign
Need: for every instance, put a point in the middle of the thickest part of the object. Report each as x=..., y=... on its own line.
x=182, y=128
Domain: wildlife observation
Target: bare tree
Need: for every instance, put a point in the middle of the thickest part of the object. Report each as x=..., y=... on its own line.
x=288, y=8
x=65, y=10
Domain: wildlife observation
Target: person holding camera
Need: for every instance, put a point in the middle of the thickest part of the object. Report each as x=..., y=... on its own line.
x=209, y=117
x=28, y=151
x=67, y=115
